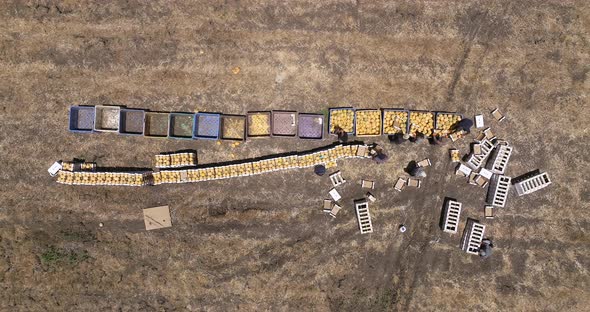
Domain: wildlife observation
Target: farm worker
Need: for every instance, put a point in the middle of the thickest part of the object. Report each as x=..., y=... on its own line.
x=342, y=135
x=418, y=138
x=436, y=139
x=397, y=138
x=377, y=152
x=486, y=248
x=415, y=171
x=465, y=124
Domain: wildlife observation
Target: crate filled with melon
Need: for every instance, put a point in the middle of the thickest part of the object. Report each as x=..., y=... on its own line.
x=395, y=121
x=445, y=122
x=342, y=118
x=368, y=122
x=421, y=122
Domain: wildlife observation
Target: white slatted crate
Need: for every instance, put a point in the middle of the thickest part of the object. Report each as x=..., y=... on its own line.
x=498, y=190
x=499, y=159
x=363, y=216
x=532, y=184
x=472, y=236
x=452, y=214
x=475, y=161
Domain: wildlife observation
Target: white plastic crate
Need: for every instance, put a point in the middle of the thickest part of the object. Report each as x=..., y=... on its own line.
x=475, y=161
x=452, y=215
x=532, y=184
x=498, y=190
x=472, y=236
x=335, y=195
x=463, y=170
x=363, y=216
x=337, y=179
x=499, y=160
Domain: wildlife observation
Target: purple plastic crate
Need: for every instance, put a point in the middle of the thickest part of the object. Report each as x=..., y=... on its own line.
x=311, y=126
x=284, y=123
x=206, y=126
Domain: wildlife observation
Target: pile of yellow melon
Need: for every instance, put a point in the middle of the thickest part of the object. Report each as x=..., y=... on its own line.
x=422, y=122
x=394, y=122
x=368, y=122
x=444, y=122
x=343, y=118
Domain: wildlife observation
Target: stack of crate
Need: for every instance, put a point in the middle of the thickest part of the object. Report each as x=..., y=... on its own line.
x=176, y=160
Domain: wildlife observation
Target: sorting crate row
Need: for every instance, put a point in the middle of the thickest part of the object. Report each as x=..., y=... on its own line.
x=248, y=168
x=208, y=126
x=214, y=126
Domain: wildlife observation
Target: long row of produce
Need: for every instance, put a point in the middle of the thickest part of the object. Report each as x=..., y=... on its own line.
x=327, y=157
x=215, y=126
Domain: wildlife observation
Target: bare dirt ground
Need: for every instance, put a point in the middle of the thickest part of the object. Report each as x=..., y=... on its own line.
x=262, y=243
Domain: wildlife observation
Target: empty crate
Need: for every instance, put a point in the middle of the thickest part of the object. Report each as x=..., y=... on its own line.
x=233, y=127
x=181, y=125
x=284, y=123
x=131, y=121
x=106, y=118
x=81, y=118
x=311, y=126
x=156, y=124
x=206, y=126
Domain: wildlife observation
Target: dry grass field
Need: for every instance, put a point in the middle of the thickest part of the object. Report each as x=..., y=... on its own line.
x=262, y=243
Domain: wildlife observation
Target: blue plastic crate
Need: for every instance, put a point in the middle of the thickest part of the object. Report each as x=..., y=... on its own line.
x=342, y=108
x=81, y=119
x=206, y=126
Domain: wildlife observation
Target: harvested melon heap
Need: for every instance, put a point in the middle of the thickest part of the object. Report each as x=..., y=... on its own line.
x=422, y=122
x=368, y=122
x=343, y=118
x=394, y=122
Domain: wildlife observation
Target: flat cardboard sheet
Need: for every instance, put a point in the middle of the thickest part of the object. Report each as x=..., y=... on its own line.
x=157, y=218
